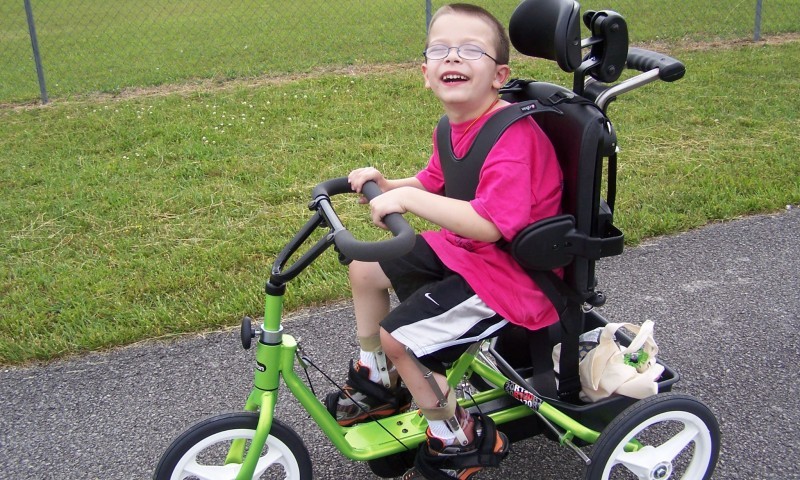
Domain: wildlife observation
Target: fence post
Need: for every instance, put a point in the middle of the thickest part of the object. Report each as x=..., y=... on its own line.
x=757, y=28
x=35, y=44
x=428, y=14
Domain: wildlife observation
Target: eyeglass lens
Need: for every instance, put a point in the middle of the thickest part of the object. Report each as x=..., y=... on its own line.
x=467, y=52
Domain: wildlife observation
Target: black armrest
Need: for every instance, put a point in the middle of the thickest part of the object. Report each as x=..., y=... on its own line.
x=553, y=243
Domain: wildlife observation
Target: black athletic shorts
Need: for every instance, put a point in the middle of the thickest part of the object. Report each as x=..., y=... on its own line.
x=439, y=315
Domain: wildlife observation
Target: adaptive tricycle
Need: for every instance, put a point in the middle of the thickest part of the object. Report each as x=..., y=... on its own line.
x=512, y=378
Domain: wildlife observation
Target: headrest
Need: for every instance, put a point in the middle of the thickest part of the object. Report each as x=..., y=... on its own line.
x=548, y=29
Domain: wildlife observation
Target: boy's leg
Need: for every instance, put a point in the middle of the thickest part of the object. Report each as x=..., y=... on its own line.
x=458, y=445
x=370, y=288
x=409, y=370
x=439, y=322
x=372, y=389
x=370, y=283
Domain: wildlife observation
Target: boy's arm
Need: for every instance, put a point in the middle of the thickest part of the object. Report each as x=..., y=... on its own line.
x=359, y=177
x=458, y=216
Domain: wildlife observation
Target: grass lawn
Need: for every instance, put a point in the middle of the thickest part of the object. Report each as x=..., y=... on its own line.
x=101, y=45
x=142, y=216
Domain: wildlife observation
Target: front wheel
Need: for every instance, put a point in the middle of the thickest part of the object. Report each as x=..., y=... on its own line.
x=678, y=438
x=201, y=451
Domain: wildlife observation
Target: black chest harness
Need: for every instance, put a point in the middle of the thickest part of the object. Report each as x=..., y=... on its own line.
x=461, y=175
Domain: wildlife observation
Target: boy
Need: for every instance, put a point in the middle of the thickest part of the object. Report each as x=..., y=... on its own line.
x=457, y=285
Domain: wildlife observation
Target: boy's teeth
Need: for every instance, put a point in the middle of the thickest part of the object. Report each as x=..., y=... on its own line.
x=454, y=77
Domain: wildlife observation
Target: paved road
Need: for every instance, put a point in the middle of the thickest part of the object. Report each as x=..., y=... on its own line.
x=724, y=299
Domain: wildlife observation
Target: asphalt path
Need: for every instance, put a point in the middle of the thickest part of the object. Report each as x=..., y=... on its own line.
x=724, y=300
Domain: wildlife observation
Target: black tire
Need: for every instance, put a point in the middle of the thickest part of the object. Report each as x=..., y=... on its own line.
x=680, y=433
x=205, y=446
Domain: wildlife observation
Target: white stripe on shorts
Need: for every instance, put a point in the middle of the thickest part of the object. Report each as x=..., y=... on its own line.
x=445, y=330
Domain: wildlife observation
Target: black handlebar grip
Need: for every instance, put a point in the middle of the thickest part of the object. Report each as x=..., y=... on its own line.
x=401, y=243
x=669, y=69
x=371, y=190
x=395, y=247
x=332, y=187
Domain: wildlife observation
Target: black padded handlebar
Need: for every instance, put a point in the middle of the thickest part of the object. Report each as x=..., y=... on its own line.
x=329, y=188
x=643, y=60
x=404, y=236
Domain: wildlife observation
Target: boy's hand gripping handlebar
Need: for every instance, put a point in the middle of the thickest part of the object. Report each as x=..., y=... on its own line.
x=338, y=235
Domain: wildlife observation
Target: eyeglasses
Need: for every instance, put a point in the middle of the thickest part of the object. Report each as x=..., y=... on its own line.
x=466, y=52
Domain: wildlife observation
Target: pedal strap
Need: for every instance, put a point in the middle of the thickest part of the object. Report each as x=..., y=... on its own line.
x=372, y=389
x=431, y=465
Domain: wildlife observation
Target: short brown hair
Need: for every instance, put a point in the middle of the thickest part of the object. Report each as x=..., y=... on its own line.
x=501, y=41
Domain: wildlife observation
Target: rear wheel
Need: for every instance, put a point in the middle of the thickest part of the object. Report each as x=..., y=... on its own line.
x=679, y=438
x=201, y=451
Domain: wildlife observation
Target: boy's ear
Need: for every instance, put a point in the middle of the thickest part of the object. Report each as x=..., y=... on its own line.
x=425, y=76
x=501, y=76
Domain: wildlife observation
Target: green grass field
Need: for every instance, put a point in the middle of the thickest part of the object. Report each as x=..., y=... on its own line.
x=98, y=45
x=152, y=213
x=130, y=218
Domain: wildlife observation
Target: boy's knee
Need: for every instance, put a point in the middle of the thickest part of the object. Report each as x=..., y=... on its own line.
x=391, y=347
x=355, y=272
x=364, y=273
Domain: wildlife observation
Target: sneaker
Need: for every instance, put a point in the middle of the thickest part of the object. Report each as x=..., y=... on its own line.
x=460, y=462
x=364, y=400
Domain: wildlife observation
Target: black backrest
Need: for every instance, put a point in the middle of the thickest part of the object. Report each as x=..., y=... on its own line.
x=583, y=139
x=582, y=135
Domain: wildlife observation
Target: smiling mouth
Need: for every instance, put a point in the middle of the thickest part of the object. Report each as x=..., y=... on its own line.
x=454, y=78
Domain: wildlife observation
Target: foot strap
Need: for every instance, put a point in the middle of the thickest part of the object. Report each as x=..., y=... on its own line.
x=486, y=453
x=365, y=386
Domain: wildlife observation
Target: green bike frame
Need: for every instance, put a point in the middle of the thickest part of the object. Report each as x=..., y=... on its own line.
x=276, y=355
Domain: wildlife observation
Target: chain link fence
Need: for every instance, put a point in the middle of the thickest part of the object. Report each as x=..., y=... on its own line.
x=84, y=46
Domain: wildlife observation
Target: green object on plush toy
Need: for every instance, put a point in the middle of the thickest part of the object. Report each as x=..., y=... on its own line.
x=637, y=359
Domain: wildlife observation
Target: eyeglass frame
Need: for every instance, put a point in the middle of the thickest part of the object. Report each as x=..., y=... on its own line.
x=458, y=52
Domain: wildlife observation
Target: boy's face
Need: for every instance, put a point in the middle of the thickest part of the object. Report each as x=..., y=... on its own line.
x=465, y=87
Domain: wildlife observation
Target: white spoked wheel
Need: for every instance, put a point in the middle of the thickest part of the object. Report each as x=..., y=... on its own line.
x=678, y=435
x=201, y=452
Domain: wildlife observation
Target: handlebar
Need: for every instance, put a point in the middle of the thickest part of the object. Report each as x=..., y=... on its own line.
x=346, y=244
x=653, y=65
x=404, y=236
x=669, y=69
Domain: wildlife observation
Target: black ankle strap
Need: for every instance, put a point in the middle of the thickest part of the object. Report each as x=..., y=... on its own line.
x=430, y=465
x=372, y=389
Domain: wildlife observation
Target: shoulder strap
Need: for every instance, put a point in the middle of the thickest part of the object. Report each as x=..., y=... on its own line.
x=461, y=174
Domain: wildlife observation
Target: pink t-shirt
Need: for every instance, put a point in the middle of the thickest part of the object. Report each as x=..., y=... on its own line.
x=520, y=183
